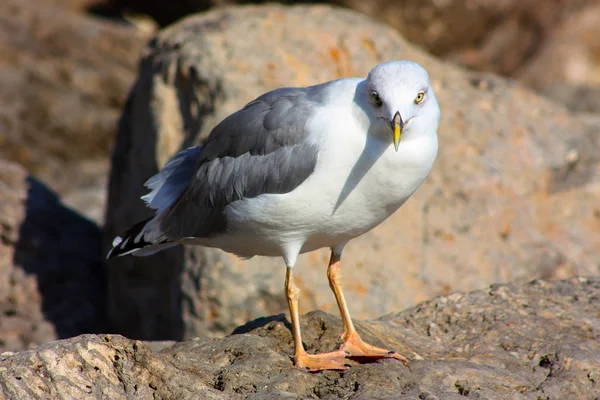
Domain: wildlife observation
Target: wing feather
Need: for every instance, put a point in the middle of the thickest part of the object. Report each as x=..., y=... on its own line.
x=260, y=149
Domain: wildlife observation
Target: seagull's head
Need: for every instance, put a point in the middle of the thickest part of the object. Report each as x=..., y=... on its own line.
x=402, y=100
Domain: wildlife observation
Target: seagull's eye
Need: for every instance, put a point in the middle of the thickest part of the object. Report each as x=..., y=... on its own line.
x=419, y=97
x=376, y=99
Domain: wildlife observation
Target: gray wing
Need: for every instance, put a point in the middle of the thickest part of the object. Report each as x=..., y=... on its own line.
x=260, y=149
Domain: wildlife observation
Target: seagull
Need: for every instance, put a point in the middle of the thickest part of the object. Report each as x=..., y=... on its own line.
x=296, y=170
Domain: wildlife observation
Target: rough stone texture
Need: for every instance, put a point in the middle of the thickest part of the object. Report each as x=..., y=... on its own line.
x=76, y=5
x=554, y=48
x=584, y=99
x=513, y=195
x=566, y=68
x=540, y=340
x=51, y=273
x=570, y=54
x=485, y=35
x=64, y=77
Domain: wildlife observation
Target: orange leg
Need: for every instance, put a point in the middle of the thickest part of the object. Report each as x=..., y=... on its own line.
x=312, y=362
x=353, y=344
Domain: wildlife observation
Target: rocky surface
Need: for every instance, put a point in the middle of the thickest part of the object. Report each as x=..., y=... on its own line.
x=512, y=196
x=500, y=36
x=540, y=340
x=583, y=99
x=566, y=68
x=52, y=280
x=64, y=77
x=570, y=54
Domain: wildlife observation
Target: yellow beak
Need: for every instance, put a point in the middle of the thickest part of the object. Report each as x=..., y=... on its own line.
x=397, y=125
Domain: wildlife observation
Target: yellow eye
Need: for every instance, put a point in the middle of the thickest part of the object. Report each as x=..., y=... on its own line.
x=419, y=97
x=376, y=99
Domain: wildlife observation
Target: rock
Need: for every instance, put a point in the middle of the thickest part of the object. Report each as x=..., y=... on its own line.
x=64, y=77
x=498, y=36
x=582, y=99
x=489, y=36
x=511, y=197
x=76, y=5
x=551, y=49
x=163, y=13
x=494, y=36
x=570, y=53
x=538, y=340
x=567, y=65
x=52, y=280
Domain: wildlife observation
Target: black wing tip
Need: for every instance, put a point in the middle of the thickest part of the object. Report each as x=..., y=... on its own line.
x=120, y=248
x=126, y=244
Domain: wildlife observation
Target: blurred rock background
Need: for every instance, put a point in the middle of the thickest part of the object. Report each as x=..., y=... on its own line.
x=513, y=196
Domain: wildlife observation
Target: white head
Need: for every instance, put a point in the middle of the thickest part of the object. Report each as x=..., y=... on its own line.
x=400, y=101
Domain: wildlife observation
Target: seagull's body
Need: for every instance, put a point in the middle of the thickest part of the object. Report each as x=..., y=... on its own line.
x=296, y=170
x=350, y=200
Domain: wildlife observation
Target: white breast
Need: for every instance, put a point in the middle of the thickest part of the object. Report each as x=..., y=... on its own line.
x=358, y=182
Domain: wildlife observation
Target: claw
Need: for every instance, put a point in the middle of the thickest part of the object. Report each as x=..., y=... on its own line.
x=321, y=362
x=356, y=347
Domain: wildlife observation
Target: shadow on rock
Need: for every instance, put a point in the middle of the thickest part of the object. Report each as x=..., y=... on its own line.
x=63, y=251
x=261, y=323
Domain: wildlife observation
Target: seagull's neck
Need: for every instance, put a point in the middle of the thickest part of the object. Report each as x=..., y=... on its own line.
x=360, y=108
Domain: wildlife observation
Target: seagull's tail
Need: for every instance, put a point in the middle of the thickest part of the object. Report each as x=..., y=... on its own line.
x=132, y=242
x=146, y=237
